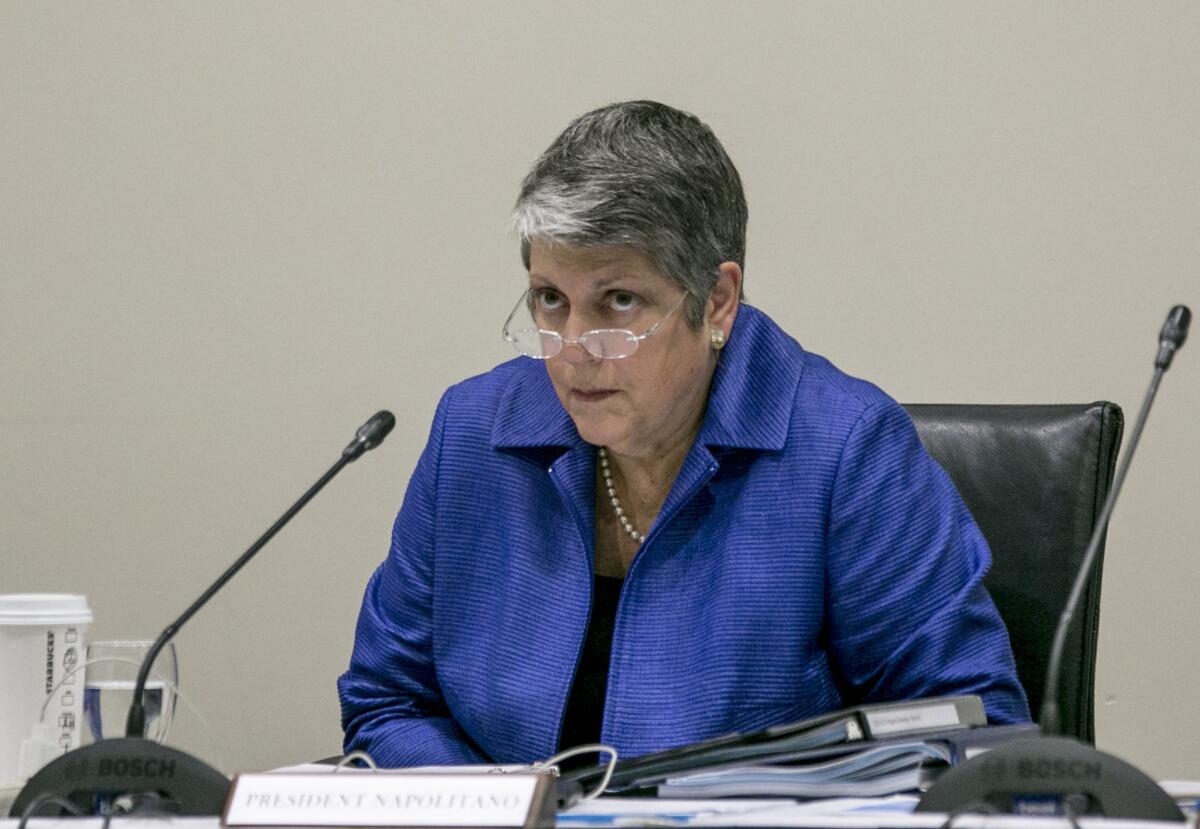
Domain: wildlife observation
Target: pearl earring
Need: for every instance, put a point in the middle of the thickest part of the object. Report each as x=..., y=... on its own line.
x=717, y=337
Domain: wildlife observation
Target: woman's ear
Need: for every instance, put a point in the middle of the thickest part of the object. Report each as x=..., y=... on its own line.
x=722, y=306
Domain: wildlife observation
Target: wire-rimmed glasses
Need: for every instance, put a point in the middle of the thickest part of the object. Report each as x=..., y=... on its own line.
x=605, y=343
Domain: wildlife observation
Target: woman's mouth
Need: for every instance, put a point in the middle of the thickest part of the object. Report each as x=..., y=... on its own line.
x=591, y=395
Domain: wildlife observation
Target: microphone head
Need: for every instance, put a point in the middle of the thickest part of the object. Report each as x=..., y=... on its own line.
x=370, y=434
x=1175, y=329
x=1174, y=333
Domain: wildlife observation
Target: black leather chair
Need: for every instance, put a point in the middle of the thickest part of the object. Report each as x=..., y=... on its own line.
x=1035, y=478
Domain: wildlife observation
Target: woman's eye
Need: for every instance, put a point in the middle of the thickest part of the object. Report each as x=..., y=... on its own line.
x=549, y=300
x=622, y=301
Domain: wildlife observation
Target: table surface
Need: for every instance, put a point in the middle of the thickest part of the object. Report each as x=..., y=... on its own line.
x=839, y=813
x=782, y=817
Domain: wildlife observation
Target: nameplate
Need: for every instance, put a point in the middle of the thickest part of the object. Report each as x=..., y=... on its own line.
x=393, y=798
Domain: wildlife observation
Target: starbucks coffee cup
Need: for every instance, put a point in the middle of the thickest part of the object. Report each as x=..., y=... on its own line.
x=43, y=637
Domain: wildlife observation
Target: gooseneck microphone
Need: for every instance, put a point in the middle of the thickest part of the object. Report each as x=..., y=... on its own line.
x=133, y=765
x=1171, y=339
x=1053, y=773
x=368, y=436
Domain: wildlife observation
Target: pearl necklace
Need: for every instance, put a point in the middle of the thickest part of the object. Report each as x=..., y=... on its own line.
x=614, y=500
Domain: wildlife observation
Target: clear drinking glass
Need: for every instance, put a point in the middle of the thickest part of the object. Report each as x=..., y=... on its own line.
x=111, y=674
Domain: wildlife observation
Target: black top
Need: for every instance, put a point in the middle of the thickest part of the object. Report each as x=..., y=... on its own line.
x=585, y=705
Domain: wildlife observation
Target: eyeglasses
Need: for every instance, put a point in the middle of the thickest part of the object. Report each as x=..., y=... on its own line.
x=605, y=343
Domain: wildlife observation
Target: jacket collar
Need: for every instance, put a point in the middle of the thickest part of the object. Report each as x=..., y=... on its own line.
x=749, y=405
x=529, y=415
x=754, y=387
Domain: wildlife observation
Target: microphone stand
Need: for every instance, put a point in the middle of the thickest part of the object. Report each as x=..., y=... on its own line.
x=1052, y=773
x=133, y=765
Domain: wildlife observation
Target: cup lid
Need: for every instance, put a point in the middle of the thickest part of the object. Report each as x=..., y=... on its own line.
x=44, y=608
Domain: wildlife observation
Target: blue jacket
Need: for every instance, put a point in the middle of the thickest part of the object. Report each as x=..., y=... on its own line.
x=809, y=556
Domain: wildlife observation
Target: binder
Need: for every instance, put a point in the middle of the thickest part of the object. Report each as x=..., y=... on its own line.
x=813, y=737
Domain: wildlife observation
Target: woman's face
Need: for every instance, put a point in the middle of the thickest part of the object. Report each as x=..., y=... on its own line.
x=643, y=405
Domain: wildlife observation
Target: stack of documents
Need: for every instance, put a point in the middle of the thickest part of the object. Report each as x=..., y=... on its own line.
x=866, y=751
x=870, y=772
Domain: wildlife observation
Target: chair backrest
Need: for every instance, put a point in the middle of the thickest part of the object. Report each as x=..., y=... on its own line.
x=1035, y=478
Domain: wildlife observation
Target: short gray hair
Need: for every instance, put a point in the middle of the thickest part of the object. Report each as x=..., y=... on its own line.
x=644, y=176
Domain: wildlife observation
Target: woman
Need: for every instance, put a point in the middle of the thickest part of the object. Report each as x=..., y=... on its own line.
x=672, y=522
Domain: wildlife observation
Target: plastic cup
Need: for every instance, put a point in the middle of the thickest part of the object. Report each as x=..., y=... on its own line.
x=43, y=636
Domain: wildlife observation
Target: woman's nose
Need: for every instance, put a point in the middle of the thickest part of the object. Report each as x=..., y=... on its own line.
x=573, y=351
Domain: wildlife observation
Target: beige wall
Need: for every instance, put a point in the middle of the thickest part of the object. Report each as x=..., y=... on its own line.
x=230, y=231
